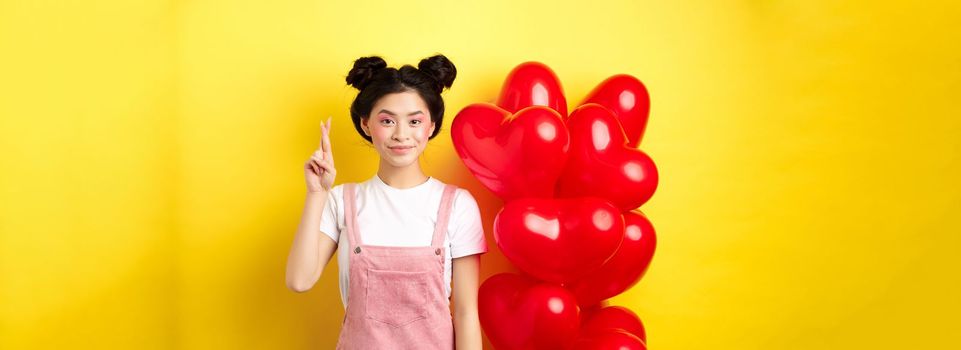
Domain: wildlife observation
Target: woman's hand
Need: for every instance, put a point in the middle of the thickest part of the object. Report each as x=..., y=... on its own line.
x=319, y=169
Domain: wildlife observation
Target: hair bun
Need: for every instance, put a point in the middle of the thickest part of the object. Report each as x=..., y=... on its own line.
x=364, y=70
x=439, y=68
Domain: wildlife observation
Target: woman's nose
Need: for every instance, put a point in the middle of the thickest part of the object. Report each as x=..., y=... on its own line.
x=400, y=133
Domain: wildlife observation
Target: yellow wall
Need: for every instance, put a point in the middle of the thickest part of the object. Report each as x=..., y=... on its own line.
x=151, y=153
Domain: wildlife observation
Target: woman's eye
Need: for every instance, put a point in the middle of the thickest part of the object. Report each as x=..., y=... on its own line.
x=386, y=121
x=415, y=122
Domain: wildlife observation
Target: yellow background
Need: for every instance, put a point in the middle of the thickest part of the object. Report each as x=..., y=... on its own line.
x=151, y=154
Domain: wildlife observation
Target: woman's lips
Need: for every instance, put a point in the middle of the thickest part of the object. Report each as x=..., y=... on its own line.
x=401, y=149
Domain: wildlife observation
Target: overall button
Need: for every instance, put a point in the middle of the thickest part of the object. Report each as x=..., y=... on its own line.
x=357, y=250
x=437, y=251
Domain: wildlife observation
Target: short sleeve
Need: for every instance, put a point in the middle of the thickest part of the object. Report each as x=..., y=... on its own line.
x=330, y=218
x=465, y=226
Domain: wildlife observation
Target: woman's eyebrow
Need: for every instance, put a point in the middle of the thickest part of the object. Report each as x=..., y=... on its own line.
x=395, y=114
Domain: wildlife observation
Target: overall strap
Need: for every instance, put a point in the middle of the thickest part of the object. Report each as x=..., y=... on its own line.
x=350, y=214
x=443, y=215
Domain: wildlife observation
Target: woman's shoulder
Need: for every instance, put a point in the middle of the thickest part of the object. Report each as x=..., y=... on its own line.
x=337, y=192
x=462, y=198
x=460, y=192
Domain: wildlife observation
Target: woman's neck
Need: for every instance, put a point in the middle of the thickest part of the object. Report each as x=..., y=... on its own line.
x=401, y=178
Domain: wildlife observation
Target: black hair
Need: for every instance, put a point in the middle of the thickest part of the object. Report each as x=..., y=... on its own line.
x=374, y=79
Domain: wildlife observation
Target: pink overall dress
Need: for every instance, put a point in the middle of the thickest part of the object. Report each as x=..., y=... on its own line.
x=396, y=297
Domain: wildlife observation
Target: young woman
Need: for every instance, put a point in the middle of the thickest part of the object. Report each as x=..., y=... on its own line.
x=402, y=237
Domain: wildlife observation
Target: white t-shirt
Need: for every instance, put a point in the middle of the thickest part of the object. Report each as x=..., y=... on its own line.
x=391, y=216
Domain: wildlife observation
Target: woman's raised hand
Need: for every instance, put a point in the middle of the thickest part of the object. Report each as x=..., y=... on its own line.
x=319, y=169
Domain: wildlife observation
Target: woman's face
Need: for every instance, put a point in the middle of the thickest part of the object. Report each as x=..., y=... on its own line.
x=399, y=126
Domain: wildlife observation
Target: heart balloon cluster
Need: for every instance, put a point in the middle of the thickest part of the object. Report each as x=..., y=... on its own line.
x=572, y=184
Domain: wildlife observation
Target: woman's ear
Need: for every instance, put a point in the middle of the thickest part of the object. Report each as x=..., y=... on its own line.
x=432, y=124
x=363, y=125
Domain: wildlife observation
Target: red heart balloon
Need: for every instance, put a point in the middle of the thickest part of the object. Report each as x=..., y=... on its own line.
x=613, y=339
x=532, y=84
x=627, y=97
x=612, y=318
x=558, y=240
x=519, y=155
x=600, y=162
x=519, y=313
x=593, y=307
x=625, y=268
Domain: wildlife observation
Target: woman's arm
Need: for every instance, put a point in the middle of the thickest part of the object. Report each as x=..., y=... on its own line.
x=311, y=246
x=466, y=273
x=311, y=249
